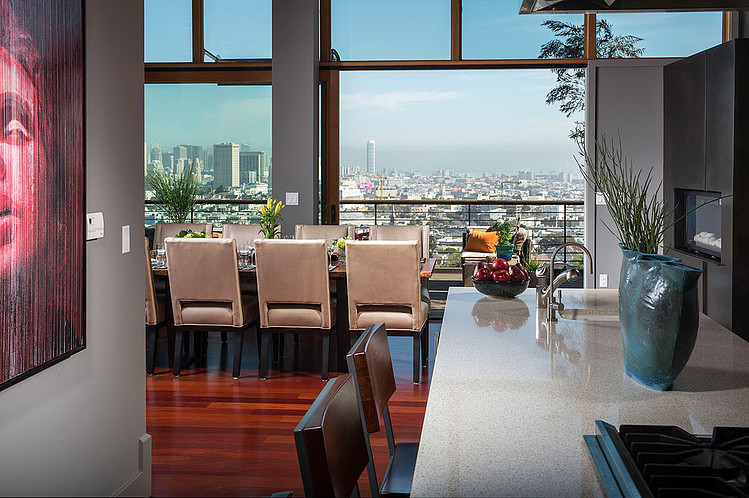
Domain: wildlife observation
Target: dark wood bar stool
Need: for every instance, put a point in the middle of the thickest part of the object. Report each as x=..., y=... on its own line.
x=370, y=364
x=330, y=441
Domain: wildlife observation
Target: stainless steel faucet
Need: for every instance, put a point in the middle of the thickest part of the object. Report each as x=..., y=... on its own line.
x=551, y=304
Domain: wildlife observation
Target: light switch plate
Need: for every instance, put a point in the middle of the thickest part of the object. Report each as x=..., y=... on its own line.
x=292, y=198
x=94, y=226
x=603, y=280
x=600, y=201
x=125, y=239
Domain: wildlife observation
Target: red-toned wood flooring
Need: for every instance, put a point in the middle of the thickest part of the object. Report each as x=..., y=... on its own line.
x=216, y=436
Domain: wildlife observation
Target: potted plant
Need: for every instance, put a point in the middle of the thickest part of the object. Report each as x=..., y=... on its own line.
x=270, y=218
x=504, y=232
x=531, y=266
x=658, y=309
x=176, y=194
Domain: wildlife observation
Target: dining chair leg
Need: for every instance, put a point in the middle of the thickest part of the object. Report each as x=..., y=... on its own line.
x=177, y=352
x=325, y=355
x=223, y=336
x=238, y=343
x=153, y=333
x=264, y=345
x=424, y=343
x=417, y=361
x=296, y=338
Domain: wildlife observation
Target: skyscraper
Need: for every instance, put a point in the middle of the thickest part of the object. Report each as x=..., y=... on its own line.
x=226, y=165
x=251, y=165
x=371, y=157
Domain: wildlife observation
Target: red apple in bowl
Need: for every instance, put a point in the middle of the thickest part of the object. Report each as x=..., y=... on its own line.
x=501, y=276
x=516, y=275
x=500, y=264
x=484, y=274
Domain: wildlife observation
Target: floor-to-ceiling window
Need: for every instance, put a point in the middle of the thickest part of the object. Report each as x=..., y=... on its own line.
x=208, y=104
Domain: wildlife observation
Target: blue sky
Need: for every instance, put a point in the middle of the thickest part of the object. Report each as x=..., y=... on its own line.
x=474, y=120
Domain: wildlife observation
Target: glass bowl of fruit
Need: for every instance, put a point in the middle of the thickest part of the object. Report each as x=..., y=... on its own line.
x=500, y=278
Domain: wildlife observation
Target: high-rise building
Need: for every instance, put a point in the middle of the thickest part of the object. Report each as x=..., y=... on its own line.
x=155, y=153
x=226, y=165
x=371, y=157
x=251, y=165
x=180, y=152
x=167, y=161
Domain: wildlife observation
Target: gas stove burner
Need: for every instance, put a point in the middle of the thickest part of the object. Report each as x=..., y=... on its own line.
x=666, y=461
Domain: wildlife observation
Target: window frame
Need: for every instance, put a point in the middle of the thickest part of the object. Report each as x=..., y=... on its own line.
x=259, y=71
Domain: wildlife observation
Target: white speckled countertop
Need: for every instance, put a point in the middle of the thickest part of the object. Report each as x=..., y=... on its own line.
x=506, y=417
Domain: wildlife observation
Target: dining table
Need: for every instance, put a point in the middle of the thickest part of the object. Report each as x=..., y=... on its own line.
x=337, y=274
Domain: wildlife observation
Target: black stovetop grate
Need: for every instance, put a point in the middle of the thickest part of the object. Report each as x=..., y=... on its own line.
x=665, y=461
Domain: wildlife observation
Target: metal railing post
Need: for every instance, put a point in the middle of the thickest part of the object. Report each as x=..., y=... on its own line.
x=469, y=215
x=375, y=213
x=564, y=232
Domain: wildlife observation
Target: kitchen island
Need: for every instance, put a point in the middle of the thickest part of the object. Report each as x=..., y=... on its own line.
x=510, y=401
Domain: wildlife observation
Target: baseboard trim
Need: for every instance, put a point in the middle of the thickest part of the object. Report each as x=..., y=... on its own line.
x=140, y=483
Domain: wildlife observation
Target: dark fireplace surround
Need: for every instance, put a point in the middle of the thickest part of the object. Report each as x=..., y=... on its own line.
x=706, y=156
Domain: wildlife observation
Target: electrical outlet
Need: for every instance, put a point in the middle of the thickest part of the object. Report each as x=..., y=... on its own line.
x=603, y=280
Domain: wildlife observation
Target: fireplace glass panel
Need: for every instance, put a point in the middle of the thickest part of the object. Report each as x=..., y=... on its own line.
x=698, y=229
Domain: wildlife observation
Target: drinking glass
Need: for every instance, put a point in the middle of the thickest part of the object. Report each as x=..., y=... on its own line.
x=244, y=258
x=251, y=250
x=161, y=254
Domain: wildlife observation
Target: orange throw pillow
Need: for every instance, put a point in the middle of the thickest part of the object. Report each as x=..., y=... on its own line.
x=482, y=241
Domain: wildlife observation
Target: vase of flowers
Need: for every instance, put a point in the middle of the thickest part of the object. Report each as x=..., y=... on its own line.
x=658, y=310
x=270, y=218
x=340, y=247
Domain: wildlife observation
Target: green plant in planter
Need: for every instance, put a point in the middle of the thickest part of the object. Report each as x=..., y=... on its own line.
x=532, y=265
x=658, y=311
x=270, y=218
x=504, y=231
x=176, y=194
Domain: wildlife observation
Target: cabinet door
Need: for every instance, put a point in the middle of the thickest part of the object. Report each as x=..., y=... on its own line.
x=720, y=86
x=684, y=124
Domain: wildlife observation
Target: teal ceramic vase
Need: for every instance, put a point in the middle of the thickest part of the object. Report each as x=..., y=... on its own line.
x=659, y=316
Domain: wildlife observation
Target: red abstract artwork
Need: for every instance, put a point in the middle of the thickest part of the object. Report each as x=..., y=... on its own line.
x=42, y=284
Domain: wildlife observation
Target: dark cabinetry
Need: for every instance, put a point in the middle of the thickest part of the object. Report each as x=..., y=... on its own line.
x=706, y=148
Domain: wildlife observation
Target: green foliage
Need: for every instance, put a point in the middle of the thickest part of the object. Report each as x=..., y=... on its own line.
x=570, y=44
x=176, y=194
x=639, y=217
x=532, y=265
x=189, y=234
x=270, y=218
x=504, y=231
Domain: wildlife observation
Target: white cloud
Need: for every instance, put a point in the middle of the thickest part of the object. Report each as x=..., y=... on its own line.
x=394, y=101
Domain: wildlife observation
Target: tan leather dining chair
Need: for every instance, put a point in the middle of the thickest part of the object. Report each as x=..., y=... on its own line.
x=384, y=287
x=163, y=230
x=406, y=232
x=245, y=235
x=403, y=232
x=290, y=302
x=155, y=313
x=327, y=232
x=204, y=284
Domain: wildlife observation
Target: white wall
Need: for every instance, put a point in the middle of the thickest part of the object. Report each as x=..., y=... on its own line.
x=623, y=98
x=74, y=428
x=295, y=109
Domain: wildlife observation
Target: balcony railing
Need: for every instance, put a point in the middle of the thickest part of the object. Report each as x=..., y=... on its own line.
x=216, y=211
x=549, y=223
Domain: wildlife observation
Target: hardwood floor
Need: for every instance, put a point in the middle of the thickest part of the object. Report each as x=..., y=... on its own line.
x=216, y=436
